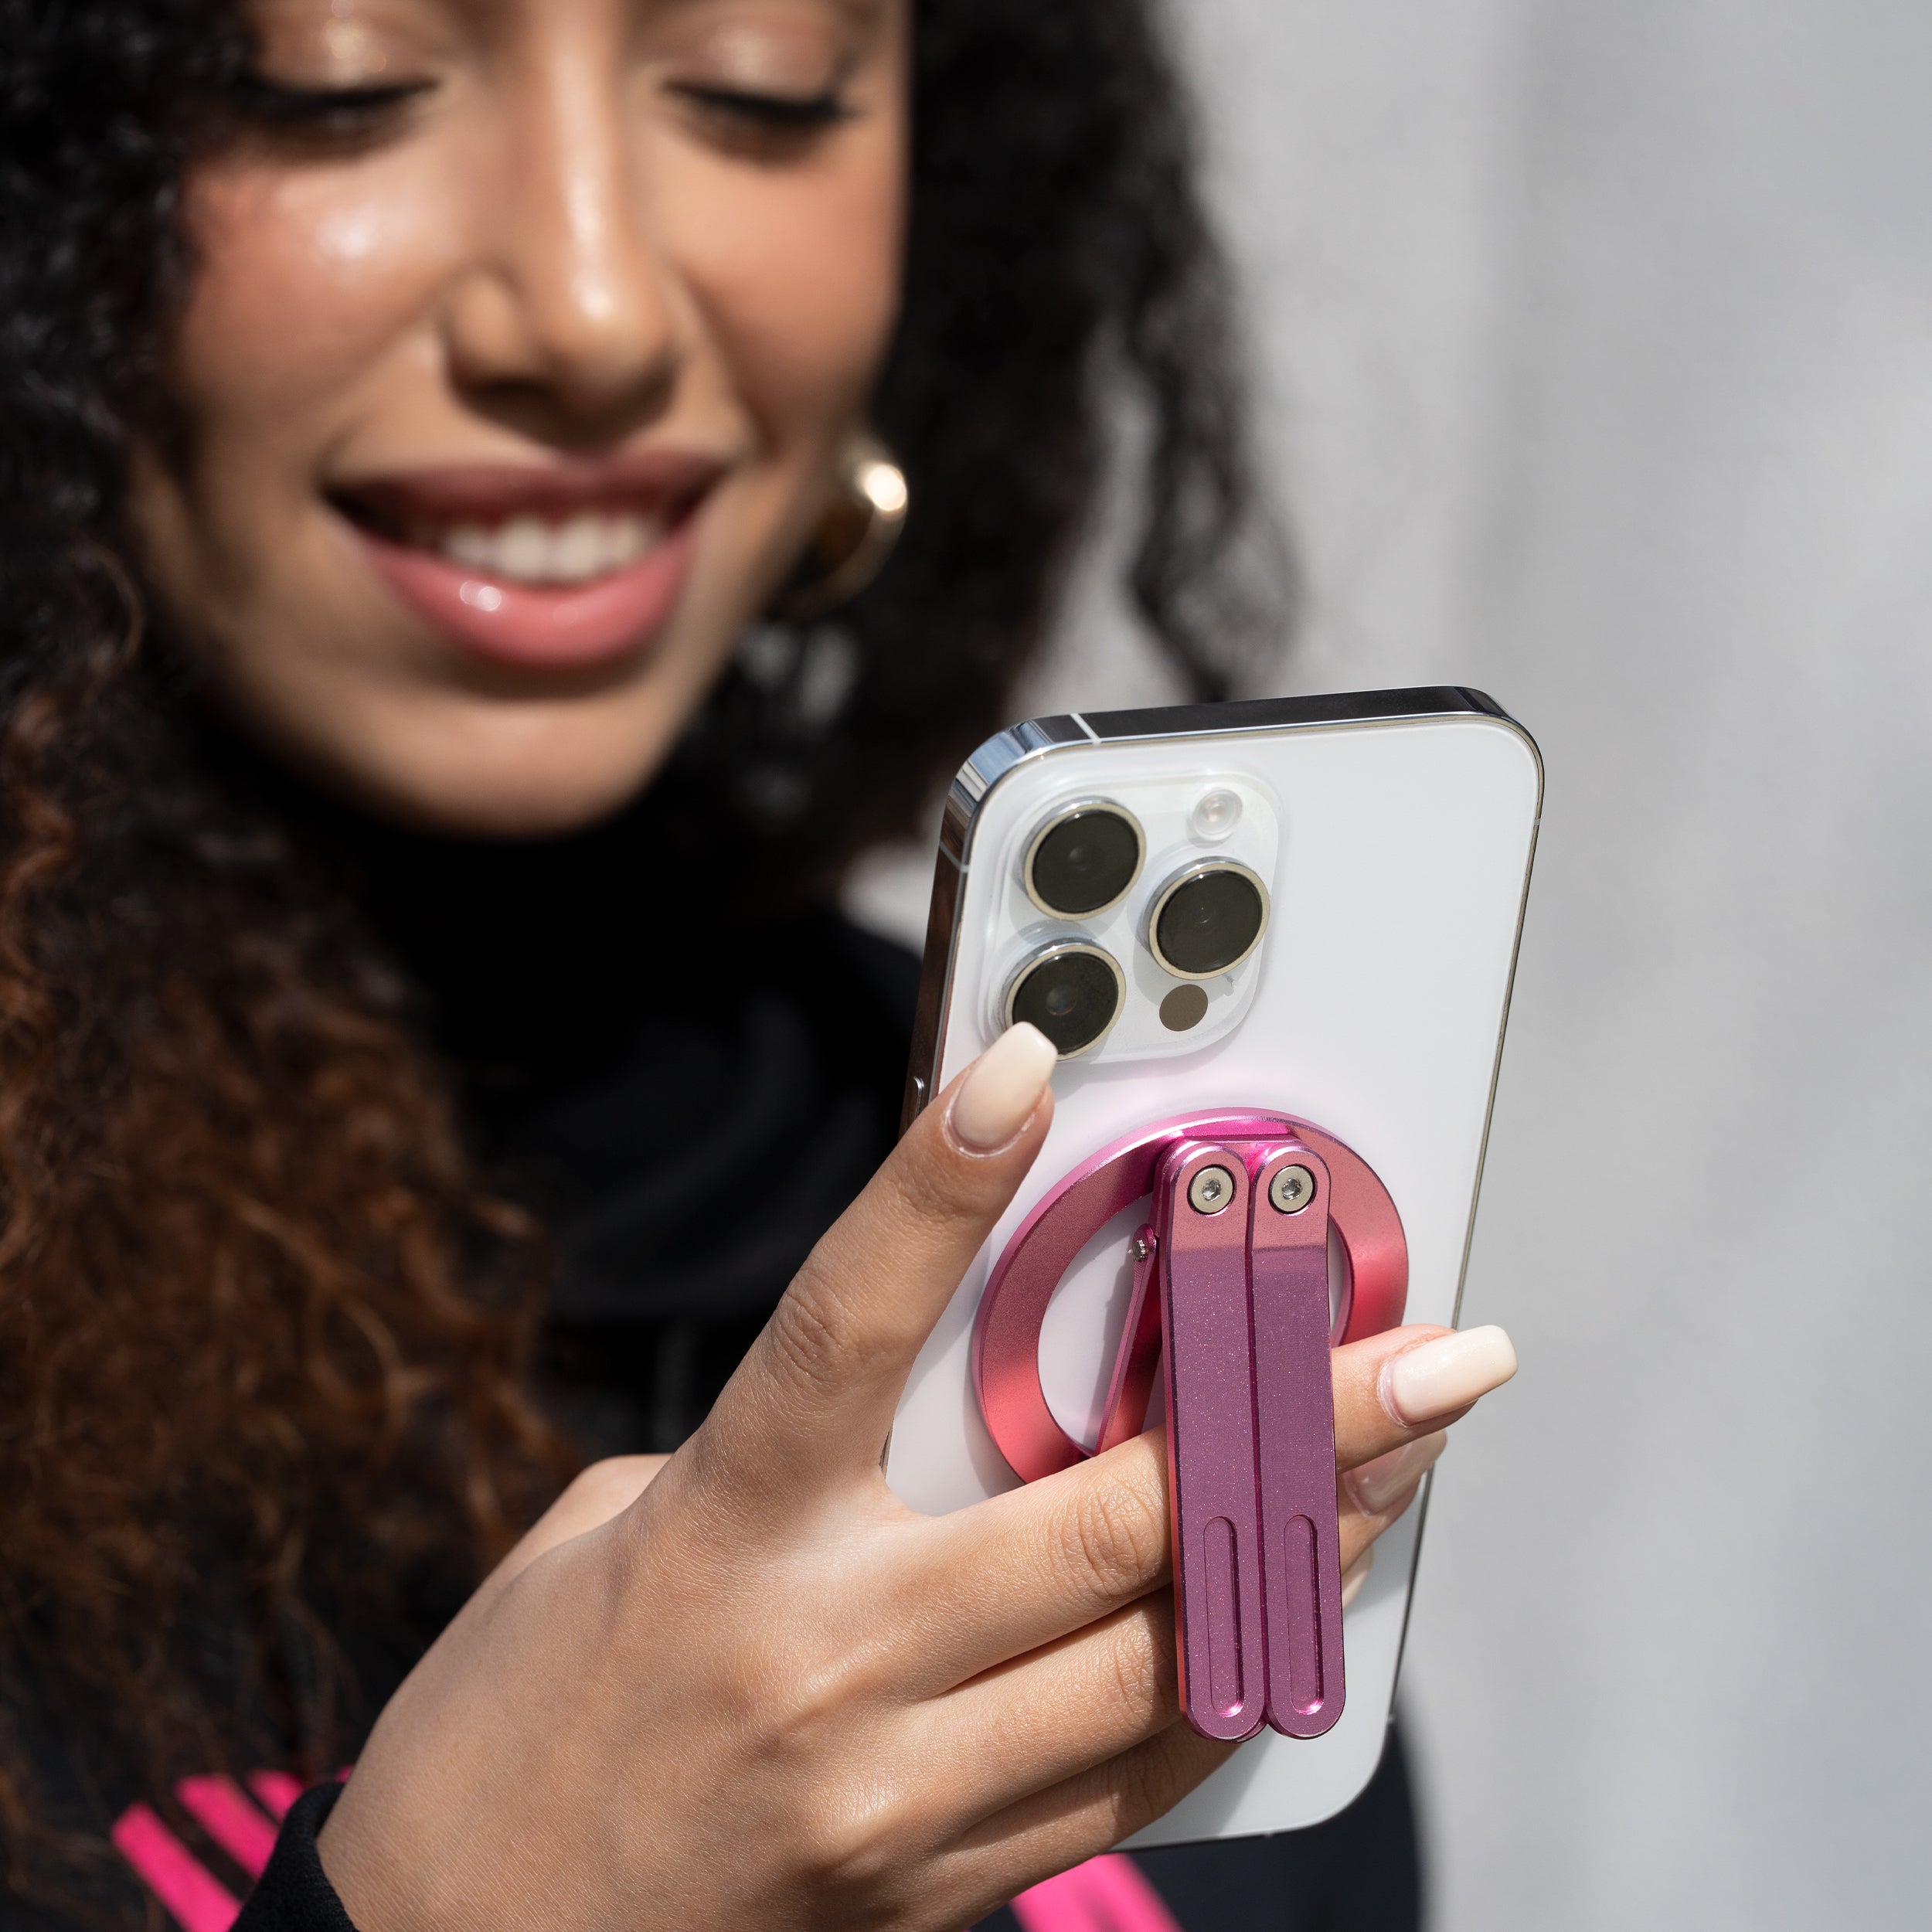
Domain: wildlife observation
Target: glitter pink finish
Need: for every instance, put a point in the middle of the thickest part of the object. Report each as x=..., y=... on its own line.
x=1236, y=1303
x=1213, y=1500
x=1294, y=1447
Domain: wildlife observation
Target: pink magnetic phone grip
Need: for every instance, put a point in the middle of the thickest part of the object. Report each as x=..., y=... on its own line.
x=1006, y=1332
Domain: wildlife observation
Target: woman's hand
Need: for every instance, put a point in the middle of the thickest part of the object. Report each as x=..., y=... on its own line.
x=750, y=1687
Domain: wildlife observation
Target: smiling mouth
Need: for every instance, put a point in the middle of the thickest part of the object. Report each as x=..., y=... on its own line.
x=557, y=546
x=573, y=564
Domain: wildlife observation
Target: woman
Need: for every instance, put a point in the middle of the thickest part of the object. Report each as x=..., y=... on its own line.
x=411, y=833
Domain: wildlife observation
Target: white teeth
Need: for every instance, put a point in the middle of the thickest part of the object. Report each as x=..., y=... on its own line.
x=577, y=550
x=467, y=542
x=523, y=549
x=526, y=549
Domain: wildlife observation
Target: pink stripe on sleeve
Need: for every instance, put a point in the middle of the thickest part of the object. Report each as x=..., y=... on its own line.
x=217, y=1806
x=1124, y=1901
x=1106, y=1894
x=275, y=1791
x=197, y=1900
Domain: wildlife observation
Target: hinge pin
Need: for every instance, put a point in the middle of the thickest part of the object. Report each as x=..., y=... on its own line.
x=1292, y=1190
x=1210, y=1190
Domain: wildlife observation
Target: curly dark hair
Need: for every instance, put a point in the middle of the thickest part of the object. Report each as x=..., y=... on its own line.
x=263, y=1330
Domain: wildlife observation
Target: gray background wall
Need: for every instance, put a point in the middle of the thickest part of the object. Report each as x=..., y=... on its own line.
x=1596, y=346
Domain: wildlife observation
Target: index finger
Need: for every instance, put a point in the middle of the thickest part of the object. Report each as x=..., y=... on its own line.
x=1001, y=1577
x=813, y=1401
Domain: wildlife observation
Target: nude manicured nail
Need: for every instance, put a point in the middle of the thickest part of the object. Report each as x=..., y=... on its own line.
x=1001, y=1089
x=1445, y=1375
x=1356, y=1575
x=1377, y=1485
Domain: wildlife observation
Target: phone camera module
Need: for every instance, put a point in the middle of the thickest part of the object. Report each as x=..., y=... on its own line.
x=1207, y=920
x=1083, y=860
x=1072, y=992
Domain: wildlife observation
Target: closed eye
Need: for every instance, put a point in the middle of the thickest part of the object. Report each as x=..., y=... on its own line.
x=767, y=113
x=328, y=113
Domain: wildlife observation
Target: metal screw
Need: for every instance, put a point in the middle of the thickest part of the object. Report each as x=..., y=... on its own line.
x=1210, y=1190
x=1140, y=1247
x=1292, y=1190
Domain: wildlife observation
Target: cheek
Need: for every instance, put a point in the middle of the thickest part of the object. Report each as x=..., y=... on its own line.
x=798, y=278
x=303, y=280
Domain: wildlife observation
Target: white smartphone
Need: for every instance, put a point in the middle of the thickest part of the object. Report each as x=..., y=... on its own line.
x=1308, y=906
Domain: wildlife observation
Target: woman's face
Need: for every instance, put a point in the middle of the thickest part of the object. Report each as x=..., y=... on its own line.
x=523, y=338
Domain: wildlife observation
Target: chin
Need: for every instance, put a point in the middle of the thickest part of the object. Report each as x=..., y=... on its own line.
x=534, y=780
x=534, y=808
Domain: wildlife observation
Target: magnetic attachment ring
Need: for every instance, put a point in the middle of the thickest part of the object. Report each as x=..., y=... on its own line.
x=1007, y=1329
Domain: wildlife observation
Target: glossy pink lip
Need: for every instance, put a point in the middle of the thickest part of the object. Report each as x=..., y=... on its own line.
x=534, y=626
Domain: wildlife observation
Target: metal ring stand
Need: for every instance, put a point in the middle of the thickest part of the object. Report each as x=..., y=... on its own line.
x=1230, y=1294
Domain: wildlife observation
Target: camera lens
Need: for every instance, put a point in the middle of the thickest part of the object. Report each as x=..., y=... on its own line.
x=1083, y=861
x=1071, y=992
x=1207, y=920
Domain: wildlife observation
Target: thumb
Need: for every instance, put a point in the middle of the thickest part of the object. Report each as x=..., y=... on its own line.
x=813, y=1401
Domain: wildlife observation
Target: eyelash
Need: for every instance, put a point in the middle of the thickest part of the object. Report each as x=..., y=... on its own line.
x=349, y=112
x=327, y=110
x=771, y=114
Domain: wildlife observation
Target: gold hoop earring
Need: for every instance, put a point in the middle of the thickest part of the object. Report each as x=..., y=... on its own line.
x=855, y=536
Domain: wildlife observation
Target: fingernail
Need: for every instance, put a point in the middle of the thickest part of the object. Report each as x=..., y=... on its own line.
x=998, y=1096
x=1376, y=1485
x=1445, y=1375
x=1356, y=1575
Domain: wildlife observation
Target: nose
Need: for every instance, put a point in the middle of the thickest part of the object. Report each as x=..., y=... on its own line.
x=566, y=320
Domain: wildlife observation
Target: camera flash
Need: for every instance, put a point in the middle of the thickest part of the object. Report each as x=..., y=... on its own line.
x=1216, y=814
